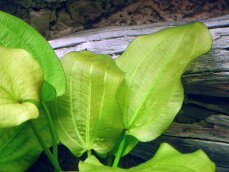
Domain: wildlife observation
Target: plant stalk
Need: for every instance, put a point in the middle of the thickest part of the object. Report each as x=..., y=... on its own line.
x=52, y=130
x=120, y=151
x=45, y=148
x=88, y=153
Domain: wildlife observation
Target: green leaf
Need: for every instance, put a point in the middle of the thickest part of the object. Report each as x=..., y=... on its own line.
x=15, y=33
x=48, y=92
x=130, y=143
x=87, y=116
x=93, y=164
x=152, y=94
x=172, y=160
x=20, y=84
x=167, y=159
x=19, y=148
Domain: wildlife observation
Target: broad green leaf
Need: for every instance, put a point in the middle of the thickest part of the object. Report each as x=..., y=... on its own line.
x=167, y=159
x=87, y=116
x=19, y=148
x=15, y=33
x=20, y=84
x=93, y=164
x=153, y=64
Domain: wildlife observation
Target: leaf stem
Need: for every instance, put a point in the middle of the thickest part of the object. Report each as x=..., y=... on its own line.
x=88, y=153
x=51, y=129
x=120, y=151
x=45, y=148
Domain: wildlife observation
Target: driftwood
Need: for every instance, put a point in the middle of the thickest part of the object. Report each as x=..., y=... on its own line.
x=203, y=121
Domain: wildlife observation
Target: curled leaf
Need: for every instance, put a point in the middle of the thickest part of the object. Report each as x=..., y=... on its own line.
x=15, y=33
x=20, y=85
x=152, y=94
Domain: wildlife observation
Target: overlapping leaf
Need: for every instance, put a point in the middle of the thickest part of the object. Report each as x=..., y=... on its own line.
x=153, y=65
x=17, y=34
x=19, y=148
x=88, y=116
x=167, y=159
x=20, y=85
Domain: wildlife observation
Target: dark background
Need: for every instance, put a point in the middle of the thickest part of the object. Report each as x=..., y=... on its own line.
x=55, y=18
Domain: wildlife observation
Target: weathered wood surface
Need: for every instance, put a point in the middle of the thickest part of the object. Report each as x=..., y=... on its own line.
x=203, y=121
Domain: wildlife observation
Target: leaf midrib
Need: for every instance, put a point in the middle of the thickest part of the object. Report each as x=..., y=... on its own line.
x=71, y=104
x=131, y=78
x=134, y=118
x=101, y=107
x=88, y=118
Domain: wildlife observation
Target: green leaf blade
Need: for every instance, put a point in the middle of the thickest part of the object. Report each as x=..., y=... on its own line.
x=19, y=148
x=153, y=65
x=88, y=116
x=15, y=33
x=166, y=159
x=169, y=157
x=150, y=127
x=20, y=85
